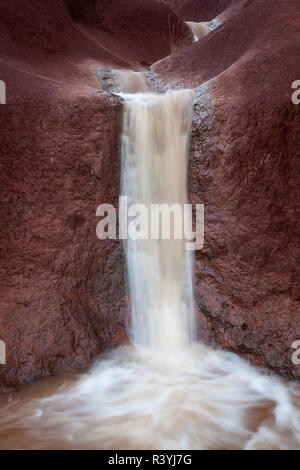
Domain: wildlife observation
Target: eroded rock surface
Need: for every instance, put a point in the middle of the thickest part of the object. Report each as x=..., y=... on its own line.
x=62, y=289
x=63, y=296
x=245, y=168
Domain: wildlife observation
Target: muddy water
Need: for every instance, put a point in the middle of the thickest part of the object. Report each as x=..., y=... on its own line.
x=164, y=391
x=137, y=399
x=154, y=167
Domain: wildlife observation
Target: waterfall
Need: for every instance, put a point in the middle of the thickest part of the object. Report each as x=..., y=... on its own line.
x=165, y=391
x=154, y=171
x=199, y=30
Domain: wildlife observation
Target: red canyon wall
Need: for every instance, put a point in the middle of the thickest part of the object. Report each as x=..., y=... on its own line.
x=203, y=10
x=51, y=48
x=245, y=168
x=62, y=290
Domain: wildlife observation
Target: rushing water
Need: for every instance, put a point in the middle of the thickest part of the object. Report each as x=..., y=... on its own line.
x=154, y=162
x=165, y=391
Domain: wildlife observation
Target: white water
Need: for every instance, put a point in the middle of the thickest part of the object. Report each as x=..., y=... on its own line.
x=166, y=392
x=199, y=30
x=154, y=161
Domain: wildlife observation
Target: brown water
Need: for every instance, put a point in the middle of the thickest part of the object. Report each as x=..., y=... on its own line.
x=154, y=163
x=199, y=30
x=138, y=399
x=166, y=392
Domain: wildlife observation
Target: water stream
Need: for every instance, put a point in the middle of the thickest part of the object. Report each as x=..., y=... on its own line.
x=164, y=391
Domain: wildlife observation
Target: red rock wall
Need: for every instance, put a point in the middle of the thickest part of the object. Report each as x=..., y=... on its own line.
x=142, y=31
x=202, y=10
x=245, y=168
x=62, y=289
x=52, y=48
x=62, y=294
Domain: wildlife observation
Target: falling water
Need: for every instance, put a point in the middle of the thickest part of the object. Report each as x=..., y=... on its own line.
x=154, y=160
x=166, y=392
x=199, y=30
x=129, y=81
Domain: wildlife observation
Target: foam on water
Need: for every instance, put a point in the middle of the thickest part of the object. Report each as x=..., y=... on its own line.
x=199, y=398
